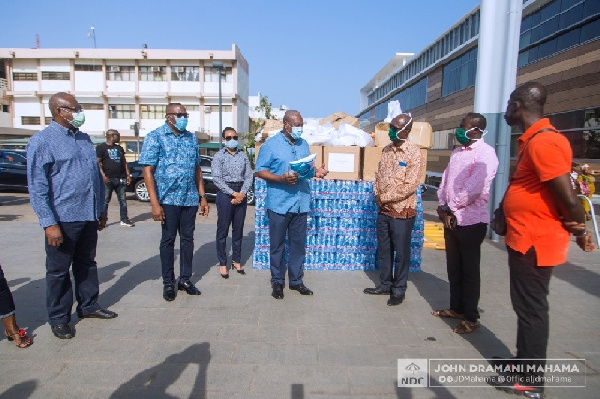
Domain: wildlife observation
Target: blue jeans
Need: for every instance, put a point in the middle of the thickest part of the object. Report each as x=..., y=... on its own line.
x=79, y=251
x=234, y=216
x=393, y=235
x=180, y=219
x=294, y=224
x=119, y=185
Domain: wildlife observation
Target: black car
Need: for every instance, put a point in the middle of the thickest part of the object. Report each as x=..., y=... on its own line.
x=138, y=186
x=13, y=175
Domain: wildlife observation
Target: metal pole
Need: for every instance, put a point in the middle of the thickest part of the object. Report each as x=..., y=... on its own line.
x=220, y=113
x=500, y=23
x=94, y=35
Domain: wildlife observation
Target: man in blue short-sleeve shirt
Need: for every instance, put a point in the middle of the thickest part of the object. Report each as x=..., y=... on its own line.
x=66, y=192
x=288, y=202
x=174, y=180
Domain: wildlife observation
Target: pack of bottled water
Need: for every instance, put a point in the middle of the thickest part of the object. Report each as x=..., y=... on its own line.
x=341, y=227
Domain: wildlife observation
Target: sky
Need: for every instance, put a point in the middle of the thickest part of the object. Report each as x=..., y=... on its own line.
x=313, y=56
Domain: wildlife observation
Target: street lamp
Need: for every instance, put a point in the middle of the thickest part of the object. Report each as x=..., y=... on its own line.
x=220, y=67
x=92, y=34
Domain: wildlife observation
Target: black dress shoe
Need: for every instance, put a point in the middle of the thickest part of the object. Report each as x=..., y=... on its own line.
x=188, y=287
x=98, y=314
x=277, y=291
x=301, y=288
x=376, y=291
x=395, y=300
x=169, y=292
x=63, y=331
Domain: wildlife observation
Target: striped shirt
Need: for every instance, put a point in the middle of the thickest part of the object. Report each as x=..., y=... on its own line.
x=63, y=176
x=466, y=182
x=231, y=168
x=397, y=178
x=174, y=157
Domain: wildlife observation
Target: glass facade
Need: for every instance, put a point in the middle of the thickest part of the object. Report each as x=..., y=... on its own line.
x=557, y=26
x=460, y=73
x=453, y=39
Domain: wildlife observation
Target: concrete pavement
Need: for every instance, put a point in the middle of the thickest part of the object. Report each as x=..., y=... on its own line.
x=236, y=341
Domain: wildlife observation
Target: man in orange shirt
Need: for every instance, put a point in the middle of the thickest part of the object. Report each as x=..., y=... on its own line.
x=541, y=211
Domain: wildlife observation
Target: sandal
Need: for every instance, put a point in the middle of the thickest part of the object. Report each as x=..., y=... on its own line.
x=447, y=314
x=22, y=341
x=466, y=327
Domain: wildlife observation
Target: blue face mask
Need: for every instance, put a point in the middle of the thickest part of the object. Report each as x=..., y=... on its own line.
x=296, y=132
x=231, y=144
x=181, y=123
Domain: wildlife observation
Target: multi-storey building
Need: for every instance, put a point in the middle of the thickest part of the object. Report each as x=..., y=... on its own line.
x=559, y=47
x=119, y=87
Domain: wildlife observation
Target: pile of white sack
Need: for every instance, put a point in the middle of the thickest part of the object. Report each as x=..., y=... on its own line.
x=326, y=134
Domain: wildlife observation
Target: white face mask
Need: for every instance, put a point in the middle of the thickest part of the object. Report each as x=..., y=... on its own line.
x=483, y=133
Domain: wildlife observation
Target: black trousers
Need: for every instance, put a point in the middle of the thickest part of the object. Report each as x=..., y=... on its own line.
x=393, y=235
x=78, y=253
x=463, y=256
x=232, y=215
x=529, y=296
x=7, y=304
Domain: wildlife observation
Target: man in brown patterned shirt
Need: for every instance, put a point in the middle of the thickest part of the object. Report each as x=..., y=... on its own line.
x=396, y=182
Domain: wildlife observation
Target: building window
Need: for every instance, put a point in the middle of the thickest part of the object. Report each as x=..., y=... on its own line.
x=120, y=73
x=88, y=67
x=5, y=108
x=121, y=111
x=153, y=111
x=556, y=27
x=153, y=73
x=460, y=73
x=215, y=108
x=24, y=76
x=47, y=120
x=92, y=107
x=30, y=120
x=212, y=75
x=189, y=108
x=185, y=73
x=56, y=75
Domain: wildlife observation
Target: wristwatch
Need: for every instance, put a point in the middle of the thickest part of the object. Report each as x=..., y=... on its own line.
x=202, y=196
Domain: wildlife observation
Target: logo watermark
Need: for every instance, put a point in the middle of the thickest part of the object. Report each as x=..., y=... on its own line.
x=485, y=372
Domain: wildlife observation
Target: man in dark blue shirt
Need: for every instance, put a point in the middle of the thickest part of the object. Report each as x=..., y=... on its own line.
x=66, y=192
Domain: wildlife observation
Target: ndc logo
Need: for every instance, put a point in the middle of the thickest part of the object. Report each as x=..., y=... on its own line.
x=412, y=373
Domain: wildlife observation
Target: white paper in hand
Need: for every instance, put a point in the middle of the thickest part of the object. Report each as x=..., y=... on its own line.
x=305, y=167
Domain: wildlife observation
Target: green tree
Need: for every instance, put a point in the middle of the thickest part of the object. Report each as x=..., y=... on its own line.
x=256, y=125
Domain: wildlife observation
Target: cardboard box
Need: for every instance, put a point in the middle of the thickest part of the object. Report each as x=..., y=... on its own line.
x=256, y=149
x=342, y=162
x=421, y=134
x=317, y=149
x=272, y=125
x=338, y=117
x=371, y=158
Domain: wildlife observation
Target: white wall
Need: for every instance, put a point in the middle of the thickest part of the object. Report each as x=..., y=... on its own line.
x=89, y=81
x=185, y=87
x=26, y=107
x=25, y=85
x=153, y=87
x=117, y=86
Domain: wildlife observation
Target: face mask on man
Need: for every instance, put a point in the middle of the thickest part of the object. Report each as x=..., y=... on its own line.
x=463, y=138
x=181, y=123
x=231, y=144
x=296, y=132
x=78, y=119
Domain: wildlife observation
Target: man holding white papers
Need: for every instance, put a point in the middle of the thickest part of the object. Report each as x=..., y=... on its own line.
x=287, y=202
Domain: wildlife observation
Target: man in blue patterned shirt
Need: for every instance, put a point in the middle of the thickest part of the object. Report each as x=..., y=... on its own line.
x=66, y=192
x=174, y=180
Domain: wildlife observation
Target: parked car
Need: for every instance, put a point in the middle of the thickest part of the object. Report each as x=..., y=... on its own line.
x=138, y=186
x=13, y=175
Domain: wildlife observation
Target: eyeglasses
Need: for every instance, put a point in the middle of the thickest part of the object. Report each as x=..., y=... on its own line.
x=179, y=114
x=231, y=138
x=73, y=109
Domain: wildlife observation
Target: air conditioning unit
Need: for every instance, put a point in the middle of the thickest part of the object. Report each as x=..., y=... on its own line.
x=207, y=108
x=155, y=69
x=114, y=68
x=178, y=69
